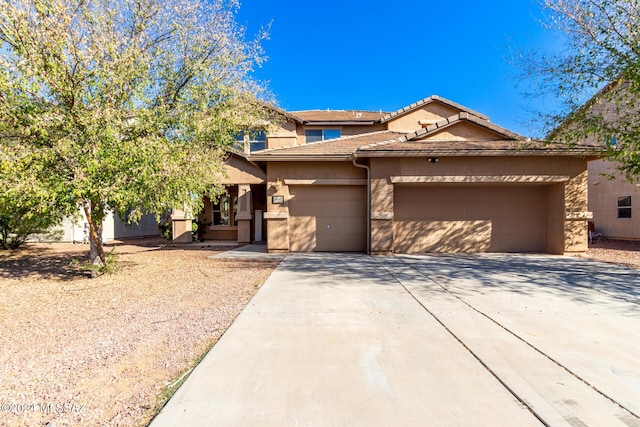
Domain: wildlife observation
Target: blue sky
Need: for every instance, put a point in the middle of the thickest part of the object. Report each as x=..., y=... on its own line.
x=373, y=55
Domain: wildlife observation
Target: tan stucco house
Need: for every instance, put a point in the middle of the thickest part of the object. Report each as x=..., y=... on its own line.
x=433, y=176
x=614, y=201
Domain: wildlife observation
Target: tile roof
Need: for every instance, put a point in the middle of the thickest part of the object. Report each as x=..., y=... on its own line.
x=397, y=144
x=341, y=148
x=506, y=143
x=464, y=117
x=499, y=147
x=338, y=115
x=323, y=116
x=429, y=100
x=375, y=116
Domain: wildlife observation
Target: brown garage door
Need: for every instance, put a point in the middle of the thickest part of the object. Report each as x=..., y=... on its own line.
x=327, y=218
x=469, y=218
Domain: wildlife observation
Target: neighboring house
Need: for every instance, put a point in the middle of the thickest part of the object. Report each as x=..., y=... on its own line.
x=113, y=228
x=614, y=201
x=434, y=176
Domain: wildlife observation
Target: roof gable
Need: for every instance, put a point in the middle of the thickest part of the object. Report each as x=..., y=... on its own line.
x=463, y=127
x=434, y=99
x=237, y=170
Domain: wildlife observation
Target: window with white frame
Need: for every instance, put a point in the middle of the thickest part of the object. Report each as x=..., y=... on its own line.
x=624, y=207
x=317, y=135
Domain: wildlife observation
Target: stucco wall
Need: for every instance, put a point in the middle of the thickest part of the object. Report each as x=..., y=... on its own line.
x=284, y=135
x=570, y=215
x=240, y=171
x=280, y=175
x=430, y=113
x=463, y=132
x=71, y=230
x=603, y=201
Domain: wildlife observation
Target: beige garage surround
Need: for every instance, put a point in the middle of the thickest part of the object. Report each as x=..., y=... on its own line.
x=327, y=218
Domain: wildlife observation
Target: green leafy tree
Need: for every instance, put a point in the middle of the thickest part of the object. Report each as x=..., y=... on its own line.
x=29, y=203
x=595, y=76
x=124, y=105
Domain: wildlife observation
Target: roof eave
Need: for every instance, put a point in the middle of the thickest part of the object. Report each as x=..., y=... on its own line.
x=339, y=122
x=301, y=157
x=478, y=152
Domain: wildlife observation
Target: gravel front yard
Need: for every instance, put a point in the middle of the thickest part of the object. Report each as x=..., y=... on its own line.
x=102, y=351
x=621, y=252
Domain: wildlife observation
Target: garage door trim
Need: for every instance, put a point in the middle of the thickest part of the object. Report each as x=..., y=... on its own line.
x=488, y=179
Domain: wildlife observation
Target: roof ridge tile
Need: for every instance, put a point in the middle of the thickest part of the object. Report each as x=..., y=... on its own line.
x=401, y=138
x=344, y=138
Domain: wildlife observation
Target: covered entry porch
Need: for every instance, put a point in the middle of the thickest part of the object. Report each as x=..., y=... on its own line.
x=234, y=216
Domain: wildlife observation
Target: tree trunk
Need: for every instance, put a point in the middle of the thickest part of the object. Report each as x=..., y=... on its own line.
x=96, y=251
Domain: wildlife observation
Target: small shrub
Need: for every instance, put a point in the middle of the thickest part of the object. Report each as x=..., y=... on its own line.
x=18, y=225
x=111, y=265
x=198, y=230
x=166, y=229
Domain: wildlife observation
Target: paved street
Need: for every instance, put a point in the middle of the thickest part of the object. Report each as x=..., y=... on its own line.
x=353, y=340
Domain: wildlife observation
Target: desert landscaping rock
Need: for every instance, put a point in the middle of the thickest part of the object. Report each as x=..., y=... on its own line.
x=79, y=351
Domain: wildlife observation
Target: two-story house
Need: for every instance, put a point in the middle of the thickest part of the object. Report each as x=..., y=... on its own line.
x=433, y=176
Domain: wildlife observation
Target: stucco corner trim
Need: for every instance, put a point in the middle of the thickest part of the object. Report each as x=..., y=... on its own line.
x=479, y=179
x=382, y=215
x=329, y=181
x=578, y=216
x=276, y=215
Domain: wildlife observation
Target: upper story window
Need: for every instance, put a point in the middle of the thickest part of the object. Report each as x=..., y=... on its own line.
x=624, y=207
x=257, y=139
x=317, y=135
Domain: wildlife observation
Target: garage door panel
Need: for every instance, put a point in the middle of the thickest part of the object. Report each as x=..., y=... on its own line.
x=318, y=208
x=327, y=218
x=469, y=219
x=442, y=236
x=302, y=233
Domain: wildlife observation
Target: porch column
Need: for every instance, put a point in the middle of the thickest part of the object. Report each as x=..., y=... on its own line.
x=244, y=213
x=181, y=226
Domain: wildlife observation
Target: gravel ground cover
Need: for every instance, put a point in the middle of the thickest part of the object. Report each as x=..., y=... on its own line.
x=621, y=252
x=106, y=351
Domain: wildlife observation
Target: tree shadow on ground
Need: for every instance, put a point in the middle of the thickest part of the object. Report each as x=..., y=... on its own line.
x=58, y=266
x=528, y=274
x=336, y=268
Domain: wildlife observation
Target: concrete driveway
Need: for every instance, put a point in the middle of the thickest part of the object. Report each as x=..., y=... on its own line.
x=478, y=340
